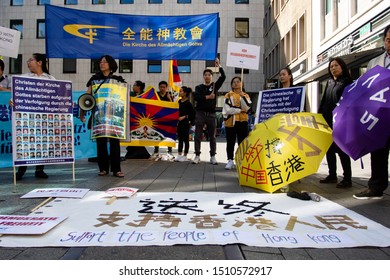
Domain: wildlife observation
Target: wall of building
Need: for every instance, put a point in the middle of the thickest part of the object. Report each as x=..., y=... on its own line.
x=227, y=10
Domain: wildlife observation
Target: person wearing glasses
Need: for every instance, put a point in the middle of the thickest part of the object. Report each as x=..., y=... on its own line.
x=107, y=68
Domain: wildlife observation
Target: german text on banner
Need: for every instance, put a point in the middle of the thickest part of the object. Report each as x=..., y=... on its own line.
x=110, y=112
x=282, y=100
x=42, y=121
x=72, y=33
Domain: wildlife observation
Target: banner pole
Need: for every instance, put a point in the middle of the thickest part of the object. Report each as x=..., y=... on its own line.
x=74, y=177
x=15, y=191
x=242, y=77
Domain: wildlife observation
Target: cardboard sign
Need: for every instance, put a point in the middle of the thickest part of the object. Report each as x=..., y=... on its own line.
x=243, y=56
x=9, y=42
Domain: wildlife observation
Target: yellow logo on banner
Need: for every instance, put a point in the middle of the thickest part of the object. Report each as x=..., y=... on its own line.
x=90, y=33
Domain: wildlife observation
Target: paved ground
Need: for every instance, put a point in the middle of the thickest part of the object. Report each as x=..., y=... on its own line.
x=160, y=176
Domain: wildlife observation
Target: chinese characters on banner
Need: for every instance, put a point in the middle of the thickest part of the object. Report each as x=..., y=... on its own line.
x=72, y=33
x=199, y=218
x=43, y=121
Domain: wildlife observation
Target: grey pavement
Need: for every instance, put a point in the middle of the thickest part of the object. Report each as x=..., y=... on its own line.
x=163, y=176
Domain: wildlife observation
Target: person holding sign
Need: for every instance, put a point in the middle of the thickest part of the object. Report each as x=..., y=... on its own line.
x=235, y=108
x=38, y=68
x=5, y=84
x=340, y=78
x=205, y=97
x=137, y=152
x=107, y=66
x=285, y=78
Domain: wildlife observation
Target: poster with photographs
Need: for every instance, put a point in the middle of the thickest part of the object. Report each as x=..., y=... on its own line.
x=42, y=121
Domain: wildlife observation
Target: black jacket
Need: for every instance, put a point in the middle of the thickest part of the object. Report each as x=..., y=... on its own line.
x=332, y=94
x=208, y=105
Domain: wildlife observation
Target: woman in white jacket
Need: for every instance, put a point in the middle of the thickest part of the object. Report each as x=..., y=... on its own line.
x=235, y=108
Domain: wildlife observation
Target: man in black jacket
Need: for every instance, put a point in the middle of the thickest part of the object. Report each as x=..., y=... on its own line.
x=206, y=101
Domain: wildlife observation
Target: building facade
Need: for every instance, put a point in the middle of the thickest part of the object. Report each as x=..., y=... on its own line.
x=310, y=32
x=239, y=20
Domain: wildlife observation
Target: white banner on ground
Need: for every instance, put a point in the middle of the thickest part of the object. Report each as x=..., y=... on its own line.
x=56, y=192
x=33, y=224
x=198, y=218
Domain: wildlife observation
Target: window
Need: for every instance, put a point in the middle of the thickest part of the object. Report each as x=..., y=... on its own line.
x=43, y=2
x=41, y=33
x=238, y=70
x=125, y=66
x=155, y=1
x=17, y=24
x=69, y=65
x=301, y=32
x=242, y=1
x=184, y=66
x=210, y=64
x=94, y=65
x=71, y=2
x=98, y=2
x=15, y=65
x=294, y=49
x=154, y=66
x=327, y=6
x=183, y=1
x=127, y=1
x=212, y=1
x=242, y=27
x=16, y=2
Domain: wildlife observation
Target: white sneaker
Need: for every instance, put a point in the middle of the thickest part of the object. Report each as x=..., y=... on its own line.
x=229, y=165
x=170, y=156
x=178, y=157
x=196, y=160
x=183, y=159
x=213, y=161
x=154, y=156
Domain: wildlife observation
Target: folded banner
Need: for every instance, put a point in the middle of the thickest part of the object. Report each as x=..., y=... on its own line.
x=152, y=122
x=110, y=112
x=74, y=33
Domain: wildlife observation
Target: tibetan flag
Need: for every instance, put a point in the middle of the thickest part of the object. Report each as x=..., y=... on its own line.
x=152, y=122
x=150, y=93
x=174, y=81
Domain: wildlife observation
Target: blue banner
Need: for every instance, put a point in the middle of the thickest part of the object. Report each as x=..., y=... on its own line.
x=282, y=100
x=72, y=33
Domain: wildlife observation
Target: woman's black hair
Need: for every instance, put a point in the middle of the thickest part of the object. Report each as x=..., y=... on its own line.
x=2, y=65
x=237, y=77
x=187, y=90
x=111, y=62
x=140, y=84
x=42, y=57
x=344, y=67
x=290, y=73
